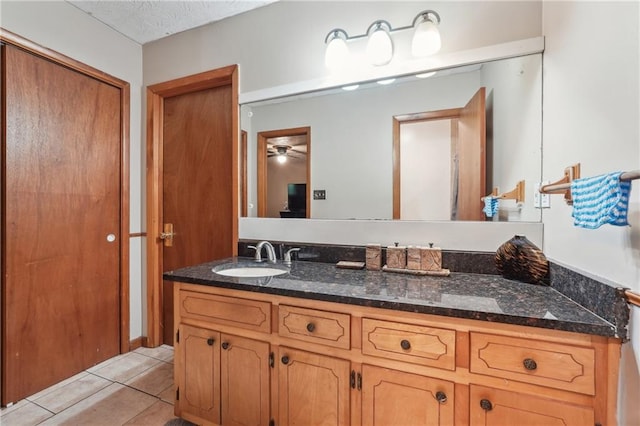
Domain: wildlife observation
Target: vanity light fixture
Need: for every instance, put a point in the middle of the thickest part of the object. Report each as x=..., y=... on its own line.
x=426, y=40
x=337, y=51
x=380, y=45
x=426, y=36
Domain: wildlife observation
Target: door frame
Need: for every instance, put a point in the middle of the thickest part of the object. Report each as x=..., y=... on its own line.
x=225, y=76
x=262, y=164
x=58, y=58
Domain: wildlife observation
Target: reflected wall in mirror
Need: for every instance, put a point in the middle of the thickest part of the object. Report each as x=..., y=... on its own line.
x=353, y=149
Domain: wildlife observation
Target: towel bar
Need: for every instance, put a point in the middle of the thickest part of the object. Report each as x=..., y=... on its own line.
x=573, y=172
x=563, y=185
x=632, y=297
x=516, y=193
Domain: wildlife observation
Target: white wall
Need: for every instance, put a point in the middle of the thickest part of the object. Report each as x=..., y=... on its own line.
x=592, y=116
x=514, y=89
x=65, y=29
x=284, y=41
x=425, y=153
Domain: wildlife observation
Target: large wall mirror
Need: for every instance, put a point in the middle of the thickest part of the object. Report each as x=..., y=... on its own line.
x=354, y=170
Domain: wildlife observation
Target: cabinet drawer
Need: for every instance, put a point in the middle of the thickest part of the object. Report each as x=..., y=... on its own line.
x=410, y=343
x=499, y=407
x=311, y=325
x=232, y=311
x=549, y=364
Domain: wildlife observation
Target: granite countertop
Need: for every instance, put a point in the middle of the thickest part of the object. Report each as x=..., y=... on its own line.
x=462, y=295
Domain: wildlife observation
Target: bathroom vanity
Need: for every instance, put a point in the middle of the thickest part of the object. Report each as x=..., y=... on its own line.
x=321, y=345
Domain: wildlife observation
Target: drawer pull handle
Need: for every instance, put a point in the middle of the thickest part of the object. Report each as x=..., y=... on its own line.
x=405, y=344
x=441, y=397
x=353, y=379
x=210, y=341
x=530, y=364
x=486, y=405
x=310, y=327
x=225, y=345
x=285, y=360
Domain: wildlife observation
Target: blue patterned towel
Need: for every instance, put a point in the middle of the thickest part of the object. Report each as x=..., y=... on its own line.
x=600, y=199
x=490, y=206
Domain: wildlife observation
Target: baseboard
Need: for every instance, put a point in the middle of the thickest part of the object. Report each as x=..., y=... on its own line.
x=137, y=343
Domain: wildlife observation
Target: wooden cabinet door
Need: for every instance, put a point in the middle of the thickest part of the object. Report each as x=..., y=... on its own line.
x=198, y=374
x=391, y=397
x=314, y=389
x=245, y=381
x=498, y=407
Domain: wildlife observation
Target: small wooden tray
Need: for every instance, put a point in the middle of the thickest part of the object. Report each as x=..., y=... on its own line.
x=440, y=273
x=345, y=264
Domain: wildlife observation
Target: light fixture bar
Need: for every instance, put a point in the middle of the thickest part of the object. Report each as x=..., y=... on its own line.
x=425, y=14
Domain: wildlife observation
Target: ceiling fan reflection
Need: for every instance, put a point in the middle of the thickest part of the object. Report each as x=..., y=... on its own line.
x=282, y=151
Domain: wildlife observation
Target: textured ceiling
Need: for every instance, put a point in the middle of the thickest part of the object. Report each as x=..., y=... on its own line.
x=145, y=21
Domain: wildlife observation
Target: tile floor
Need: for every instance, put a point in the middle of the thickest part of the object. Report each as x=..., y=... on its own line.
x=135, y=388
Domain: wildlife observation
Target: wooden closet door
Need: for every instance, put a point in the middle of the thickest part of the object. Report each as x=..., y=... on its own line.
x=61, y=223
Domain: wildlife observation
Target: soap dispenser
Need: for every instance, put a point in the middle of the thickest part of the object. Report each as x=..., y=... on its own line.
x=431, y=258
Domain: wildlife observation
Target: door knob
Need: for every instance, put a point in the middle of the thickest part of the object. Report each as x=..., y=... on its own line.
x=167, y=235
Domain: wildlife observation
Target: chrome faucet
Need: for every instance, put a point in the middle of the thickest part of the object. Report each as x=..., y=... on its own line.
x=271, y=253
x=287, y=256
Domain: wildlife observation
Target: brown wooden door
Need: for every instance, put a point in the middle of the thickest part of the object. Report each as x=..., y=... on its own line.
x=61, y=223
x=391, y=397
x=314, y=389
x=197, y=183
x=499, y=407
x=198, y=374
x=245, y=381
x=471, y=154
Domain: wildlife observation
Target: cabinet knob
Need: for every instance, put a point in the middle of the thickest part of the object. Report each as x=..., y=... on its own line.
x=210, y=341
x=225, y=345
x=441, y=397
x=530, y=364
x=486, y=405
x=310, y=327
x=406, y=345
x=285, y=360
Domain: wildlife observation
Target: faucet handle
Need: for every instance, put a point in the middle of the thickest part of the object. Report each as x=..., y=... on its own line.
x=257, y=256
x=287, y=255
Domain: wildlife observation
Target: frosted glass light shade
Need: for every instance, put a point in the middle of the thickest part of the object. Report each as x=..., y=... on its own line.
x=426, y=39
x=379, y=47
x=335, y=57
x=281, y=159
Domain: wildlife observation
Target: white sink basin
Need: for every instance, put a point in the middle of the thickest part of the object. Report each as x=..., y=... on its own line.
x=248, y=271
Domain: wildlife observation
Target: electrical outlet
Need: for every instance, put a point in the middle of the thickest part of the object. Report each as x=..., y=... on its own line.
x=319, y=194
x=541, y=201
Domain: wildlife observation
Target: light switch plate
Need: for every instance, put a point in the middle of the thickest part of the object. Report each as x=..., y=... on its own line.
x=319, y=194
x=541, y=201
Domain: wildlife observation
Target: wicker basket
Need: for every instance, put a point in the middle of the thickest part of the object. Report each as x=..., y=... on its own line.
x=520, y=259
